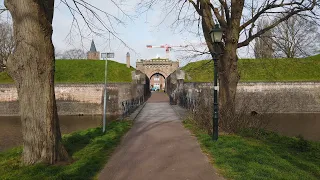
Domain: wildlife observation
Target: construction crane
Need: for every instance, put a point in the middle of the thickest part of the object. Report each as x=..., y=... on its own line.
x=167, y=47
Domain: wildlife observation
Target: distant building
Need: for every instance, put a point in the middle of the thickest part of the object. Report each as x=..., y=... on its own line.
x=93, y=54
x=157, y=81
x=157, y=70
x=128, y=59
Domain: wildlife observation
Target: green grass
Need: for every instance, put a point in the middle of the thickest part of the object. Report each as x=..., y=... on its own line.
x=85, y=71
x=261, y=70
x=89, y=149
x=269, y=156
x=5, y=78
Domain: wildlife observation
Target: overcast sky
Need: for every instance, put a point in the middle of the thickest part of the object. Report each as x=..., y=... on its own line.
x=137, y=31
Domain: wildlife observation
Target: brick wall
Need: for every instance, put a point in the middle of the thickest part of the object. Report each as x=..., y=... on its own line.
x=74, y=99
x=267, y=97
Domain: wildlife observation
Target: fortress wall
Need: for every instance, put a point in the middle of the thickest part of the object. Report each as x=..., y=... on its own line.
x=74, y=99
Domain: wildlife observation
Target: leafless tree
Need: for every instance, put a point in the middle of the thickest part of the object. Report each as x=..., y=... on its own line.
x=58, y=54
x=31, y=65
x=263, y=46
x=296, y=37
x=238, y=20
x=74, y=54
x=6, y=43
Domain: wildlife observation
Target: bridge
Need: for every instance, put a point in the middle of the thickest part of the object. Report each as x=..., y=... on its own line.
x=158, y=147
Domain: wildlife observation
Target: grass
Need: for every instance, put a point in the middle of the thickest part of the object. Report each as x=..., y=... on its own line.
x=261, y=70
x=85, y=71
x=268, y=156
x=90, y=149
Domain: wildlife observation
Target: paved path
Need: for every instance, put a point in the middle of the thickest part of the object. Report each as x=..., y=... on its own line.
x=158, y=147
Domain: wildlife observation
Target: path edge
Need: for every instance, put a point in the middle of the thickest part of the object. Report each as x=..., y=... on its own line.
x=136, y=113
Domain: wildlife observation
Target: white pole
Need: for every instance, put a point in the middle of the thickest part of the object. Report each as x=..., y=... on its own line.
x=105, y=97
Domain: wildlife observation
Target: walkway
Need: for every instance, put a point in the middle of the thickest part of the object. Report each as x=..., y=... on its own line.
x=158, y=147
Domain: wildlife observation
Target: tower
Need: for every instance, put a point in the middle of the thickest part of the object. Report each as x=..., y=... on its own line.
x=128, y=60
x=93, y=54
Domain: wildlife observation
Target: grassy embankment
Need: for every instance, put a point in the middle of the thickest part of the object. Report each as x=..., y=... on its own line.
x=90, y=150
x=268, y=156
x=85, y=71
x=261, y=70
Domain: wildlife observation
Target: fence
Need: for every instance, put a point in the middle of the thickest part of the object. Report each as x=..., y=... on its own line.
x=131, y=105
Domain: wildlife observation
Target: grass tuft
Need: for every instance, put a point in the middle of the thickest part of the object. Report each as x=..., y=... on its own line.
x=267, y=156
x=90, y=150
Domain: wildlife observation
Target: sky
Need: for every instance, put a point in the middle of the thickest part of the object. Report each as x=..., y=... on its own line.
x=135, y=32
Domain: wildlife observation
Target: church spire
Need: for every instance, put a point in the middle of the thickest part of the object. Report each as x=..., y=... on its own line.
x=93, y=47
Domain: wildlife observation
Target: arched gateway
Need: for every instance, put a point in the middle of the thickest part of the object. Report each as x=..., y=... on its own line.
x=157, y=70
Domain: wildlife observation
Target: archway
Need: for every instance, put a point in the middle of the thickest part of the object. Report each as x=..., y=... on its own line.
x=157, y=81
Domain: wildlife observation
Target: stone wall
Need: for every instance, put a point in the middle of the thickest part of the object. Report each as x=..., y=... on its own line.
x=157, y=65
x=75, y=99
x=278, y=97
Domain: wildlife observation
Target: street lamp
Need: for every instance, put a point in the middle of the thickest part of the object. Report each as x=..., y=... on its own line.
x=216, y=37
x=104, y=120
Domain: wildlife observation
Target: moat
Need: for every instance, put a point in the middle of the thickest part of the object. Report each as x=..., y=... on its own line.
x=289, y=124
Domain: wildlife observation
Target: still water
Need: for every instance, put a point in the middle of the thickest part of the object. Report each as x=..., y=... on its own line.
x=10, y=128
x=294, y=124
x=289, y=124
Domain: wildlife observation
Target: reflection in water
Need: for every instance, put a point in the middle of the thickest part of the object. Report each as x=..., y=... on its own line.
x=10, y=132
x=290, y=124
x=294, y=124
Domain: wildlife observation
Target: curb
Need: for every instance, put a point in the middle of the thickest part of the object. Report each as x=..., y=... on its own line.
x=135, y=114
x=176, y=111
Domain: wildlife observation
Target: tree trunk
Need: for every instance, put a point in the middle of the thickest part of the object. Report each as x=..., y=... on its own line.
x=32, y=67
x=228, y=68
x=228, y=81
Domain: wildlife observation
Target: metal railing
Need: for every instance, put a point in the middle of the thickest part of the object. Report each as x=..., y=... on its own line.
x=131, y=105
x=187, y=102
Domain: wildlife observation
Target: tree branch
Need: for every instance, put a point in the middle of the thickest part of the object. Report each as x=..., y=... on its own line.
x=289, y=13
x=3, y=10
x=196, y=6
x=221, y=20
x=226, y=10
x=272, y=5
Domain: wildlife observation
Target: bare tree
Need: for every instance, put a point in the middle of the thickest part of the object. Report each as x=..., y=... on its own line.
x=58, y=54
x=6, y=43
x=237, y=19
x=31, y=65
x=296, y=37
x=263, y=47
x=74, y=54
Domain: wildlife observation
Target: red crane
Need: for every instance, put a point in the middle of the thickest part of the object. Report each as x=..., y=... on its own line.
x=167, y=47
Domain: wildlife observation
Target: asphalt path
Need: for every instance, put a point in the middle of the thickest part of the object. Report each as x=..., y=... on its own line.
x=158, y=147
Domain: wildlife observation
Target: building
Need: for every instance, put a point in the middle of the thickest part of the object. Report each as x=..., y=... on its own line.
x=93, y=54
x=128, y=60
x=157, y=70
x=157, y=81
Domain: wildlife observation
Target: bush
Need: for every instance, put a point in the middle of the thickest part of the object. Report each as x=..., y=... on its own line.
x=201, y=108
x=301, y=144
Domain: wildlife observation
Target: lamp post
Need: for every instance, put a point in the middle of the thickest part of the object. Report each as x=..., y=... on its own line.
x=104, y=120
x=216, y=36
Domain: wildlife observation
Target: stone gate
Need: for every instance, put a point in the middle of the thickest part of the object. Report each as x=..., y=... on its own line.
x=157, y=70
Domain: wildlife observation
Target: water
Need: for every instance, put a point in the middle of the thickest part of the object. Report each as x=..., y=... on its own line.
x=294, y=124
x=10, y=128
x=289, y=124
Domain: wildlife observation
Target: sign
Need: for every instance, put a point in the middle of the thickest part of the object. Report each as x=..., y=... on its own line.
x=110, y=55
x=103, y=55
